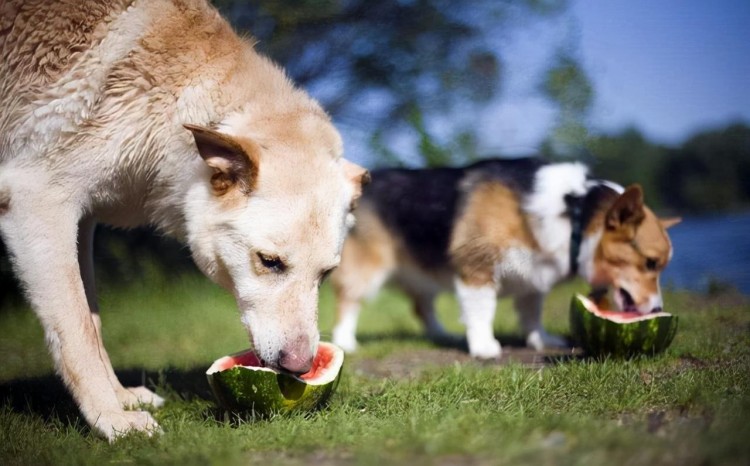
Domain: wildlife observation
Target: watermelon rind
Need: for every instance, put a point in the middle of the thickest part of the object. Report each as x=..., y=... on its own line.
x=263, y=391
x=607, y=335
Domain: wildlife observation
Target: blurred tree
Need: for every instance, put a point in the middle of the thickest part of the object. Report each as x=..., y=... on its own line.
x=709, y=172
x=390, y=65
x=627, y=158
x=567, y=86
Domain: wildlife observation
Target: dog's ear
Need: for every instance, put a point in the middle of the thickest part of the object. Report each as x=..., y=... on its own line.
x=358, y=176
x=235, y=164
x=627, y=213
x=669, y=222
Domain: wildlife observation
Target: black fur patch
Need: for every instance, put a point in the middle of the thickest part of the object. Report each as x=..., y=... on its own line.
x=596, y=197
x=420, y=206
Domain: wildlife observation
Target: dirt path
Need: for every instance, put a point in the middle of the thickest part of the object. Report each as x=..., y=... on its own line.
x=410, y=364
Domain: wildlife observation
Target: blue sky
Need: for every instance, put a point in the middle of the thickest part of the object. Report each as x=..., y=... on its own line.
x=667, y=67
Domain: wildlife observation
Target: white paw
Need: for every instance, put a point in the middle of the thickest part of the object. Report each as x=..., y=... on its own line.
x=539, y=340
x=132, y=397
x=116, y=424
x=345, y=340
x=484, y=347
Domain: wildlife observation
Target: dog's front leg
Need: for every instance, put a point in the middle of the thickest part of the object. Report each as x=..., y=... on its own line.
x=529, y=308
x=130, y=397
x=40, y=229
x=478, y=304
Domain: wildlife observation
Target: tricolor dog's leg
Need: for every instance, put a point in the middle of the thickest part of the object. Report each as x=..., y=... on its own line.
x=347, y=316
x=40, y=228
x=424, y=308
x=129, y=397
x=478, y=304
x=529, y=308
x=352, y=283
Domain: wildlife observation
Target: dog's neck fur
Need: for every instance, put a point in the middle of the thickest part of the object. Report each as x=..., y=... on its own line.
x=564, y=204
x=593, y=208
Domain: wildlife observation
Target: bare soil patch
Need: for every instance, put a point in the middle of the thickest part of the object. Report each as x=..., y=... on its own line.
x=410, y=364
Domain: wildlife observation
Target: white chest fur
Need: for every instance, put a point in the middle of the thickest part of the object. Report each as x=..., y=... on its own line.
x=522, y=270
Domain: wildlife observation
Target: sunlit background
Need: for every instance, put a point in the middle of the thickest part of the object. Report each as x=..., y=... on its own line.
x=643, y=91
x=648, y=92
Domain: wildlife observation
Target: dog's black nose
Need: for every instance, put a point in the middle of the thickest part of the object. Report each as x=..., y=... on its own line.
x=656, y=310
x=294, y=363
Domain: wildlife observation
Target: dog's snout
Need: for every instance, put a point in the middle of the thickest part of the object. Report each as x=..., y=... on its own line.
x=296, y=357
x=295, y=362
x=657, y=309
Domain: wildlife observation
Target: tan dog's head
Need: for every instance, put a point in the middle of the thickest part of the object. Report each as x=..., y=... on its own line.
x=267, y=220
x=633, y=250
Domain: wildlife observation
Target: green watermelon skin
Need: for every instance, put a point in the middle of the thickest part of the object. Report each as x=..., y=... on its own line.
x=265, y=393
x=598, y=336
x=241, y=385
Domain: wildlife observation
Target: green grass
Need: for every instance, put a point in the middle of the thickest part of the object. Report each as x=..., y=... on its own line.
x=687, y=406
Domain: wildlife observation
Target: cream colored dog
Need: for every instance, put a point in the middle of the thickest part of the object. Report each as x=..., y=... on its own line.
x=156, y=112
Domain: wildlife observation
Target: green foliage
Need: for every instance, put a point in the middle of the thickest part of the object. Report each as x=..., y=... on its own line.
x=378, y=64
x=706, y=174
x=710, y=172
x=566, y=85
x=628, y=158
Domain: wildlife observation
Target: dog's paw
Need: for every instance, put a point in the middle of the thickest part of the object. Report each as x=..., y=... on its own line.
x=116, y=424
x=484, y=348
x=539, y=340
x=132, y=397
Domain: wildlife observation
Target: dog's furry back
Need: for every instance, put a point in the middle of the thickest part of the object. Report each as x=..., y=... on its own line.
x=129, y=73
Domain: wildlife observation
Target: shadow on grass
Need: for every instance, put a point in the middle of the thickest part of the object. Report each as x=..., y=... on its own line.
x=514, y=347
x=47, y=397
x=454, y=341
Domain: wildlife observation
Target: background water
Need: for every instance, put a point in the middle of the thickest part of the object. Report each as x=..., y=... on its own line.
x=710, y=250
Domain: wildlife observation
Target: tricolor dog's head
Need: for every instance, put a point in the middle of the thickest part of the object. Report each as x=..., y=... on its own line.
x=267, y=218
x=633, y=250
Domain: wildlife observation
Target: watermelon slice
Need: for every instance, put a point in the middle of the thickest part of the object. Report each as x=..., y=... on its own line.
x=619, y=334
x=241, y=383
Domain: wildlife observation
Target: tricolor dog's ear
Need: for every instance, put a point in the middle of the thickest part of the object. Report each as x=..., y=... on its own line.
x=627, y=213
x=358, y=176
x=235, y=163
x=669, y=222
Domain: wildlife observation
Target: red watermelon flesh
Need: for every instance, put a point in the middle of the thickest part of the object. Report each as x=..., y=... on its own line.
x=240, y=382
x=321, y=362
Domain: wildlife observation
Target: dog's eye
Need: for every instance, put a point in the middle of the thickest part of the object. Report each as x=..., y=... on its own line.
x=272, y=263
x=651, y=263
